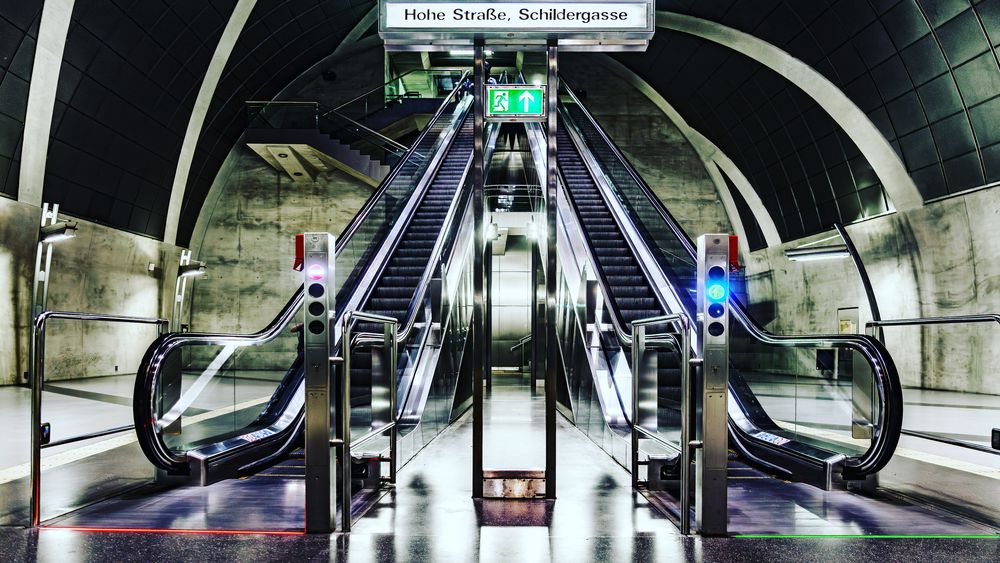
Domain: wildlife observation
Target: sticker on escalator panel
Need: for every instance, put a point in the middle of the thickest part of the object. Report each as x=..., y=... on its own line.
x=771, y=438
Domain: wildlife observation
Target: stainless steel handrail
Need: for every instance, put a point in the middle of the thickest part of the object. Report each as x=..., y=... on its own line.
x=878, y=357
x=928, y=321
x=367, y=130
x=390, y=343
x=425, y=279
x=400, y=77
x=667, y=217
x=37, y=385
x=680, y=341
x=171, y=341
x=520, y=343
x=955, y=319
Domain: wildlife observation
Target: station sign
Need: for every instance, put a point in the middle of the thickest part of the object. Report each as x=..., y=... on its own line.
x=623, y=25
x=515, y=102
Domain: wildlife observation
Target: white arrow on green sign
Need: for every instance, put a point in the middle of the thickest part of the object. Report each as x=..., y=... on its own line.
x=515, y=102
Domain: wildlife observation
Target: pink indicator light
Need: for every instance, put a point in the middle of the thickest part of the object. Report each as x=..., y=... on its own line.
x=315, y=272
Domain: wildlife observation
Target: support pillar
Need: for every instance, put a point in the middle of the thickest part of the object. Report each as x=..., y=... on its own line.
x=478, y=271
x=551, y=280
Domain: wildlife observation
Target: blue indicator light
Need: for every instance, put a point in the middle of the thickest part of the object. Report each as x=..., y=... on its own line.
x=716, y=292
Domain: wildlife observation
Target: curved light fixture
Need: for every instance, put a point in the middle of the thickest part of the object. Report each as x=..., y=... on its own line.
x=817, y=253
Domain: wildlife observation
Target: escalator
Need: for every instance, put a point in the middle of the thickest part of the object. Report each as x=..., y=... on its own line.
x=385, y=260
x=643, y=265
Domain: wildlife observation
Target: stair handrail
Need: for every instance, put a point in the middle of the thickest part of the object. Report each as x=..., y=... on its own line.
x=400, y=77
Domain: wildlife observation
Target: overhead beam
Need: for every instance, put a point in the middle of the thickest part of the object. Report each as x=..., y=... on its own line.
x=238, y=19
x=52, y=32
x=873, y=145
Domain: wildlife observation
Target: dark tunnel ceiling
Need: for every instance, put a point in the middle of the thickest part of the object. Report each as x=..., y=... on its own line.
x=18, y=32
x=280, y=41
x=924, y=72
x=130, y=75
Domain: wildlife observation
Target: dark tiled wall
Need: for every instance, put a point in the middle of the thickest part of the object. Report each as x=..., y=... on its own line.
x=129, y=79
x=18, y=32
x=281, y=40
x=808, y=173
x=925, y=71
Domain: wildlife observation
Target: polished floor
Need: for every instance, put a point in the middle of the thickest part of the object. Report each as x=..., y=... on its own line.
x=431, y=516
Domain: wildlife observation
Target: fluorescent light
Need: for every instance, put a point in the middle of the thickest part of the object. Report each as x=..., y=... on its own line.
x=468, y=52
x=817, y=253
x=58, y=231
x=192, y=269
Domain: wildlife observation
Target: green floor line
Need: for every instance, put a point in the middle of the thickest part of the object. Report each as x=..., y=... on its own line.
x=870, y=536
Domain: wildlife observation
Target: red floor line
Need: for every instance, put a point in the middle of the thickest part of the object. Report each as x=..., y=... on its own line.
x=173, y=531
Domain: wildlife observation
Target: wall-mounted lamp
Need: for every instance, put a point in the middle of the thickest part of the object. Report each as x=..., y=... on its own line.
x=492, y=232
x=195, y=268
x=186, y=268
x=50, y=230
x=817, y=253
x=58, y=231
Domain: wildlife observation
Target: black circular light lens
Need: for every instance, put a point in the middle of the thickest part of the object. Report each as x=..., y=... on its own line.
x=716, y=329
x=316, y=308
x=716, y=273
x=316, y=290
x=316, y=327
x=715, y=310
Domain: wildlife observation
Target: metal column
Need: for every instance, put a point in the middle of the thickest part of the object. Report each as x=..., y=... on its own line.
x=317, y=334
x=551, y=190
x=711, y=464
x=478, y=273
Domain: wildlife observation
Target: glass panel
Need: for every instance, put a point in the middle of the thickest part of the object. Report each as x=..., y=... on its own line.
x=366, y=238
x=282, y=115
x=76, y=403
x=818, y=395
x=668, y=249
x=411, y=86
x=209, y=393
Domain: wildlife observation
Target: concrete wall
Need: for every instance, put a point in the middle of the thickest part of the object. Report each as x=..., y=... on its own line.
x=102, y=270
x=246, y=229
x=941, y=259
x=511, y=300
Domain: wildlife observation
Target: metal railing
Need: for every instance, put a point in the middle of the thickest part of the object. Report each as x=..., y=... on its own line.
x=928, y=321
x=680, y=342
x=37, y=385
x=397, y=79
x=389, y=343
x=521, y=345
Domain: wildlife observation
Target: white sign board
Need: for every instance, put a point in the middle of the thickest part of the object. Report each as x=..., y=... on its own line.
x=626, y=23
x=514, y=16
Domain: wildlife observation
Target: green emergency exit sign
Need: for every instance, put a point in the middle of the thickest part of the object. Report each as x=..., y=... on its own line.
x=515, y=102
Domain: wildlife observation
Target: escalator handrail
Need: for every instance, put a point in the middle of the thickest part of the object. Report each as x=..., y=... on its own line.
x=886, y=375
x=448, y=224
x=151, y=365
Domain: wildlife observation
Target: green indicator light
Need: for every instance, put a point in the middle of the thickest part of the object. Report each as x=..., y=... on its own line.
x=716, y=292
